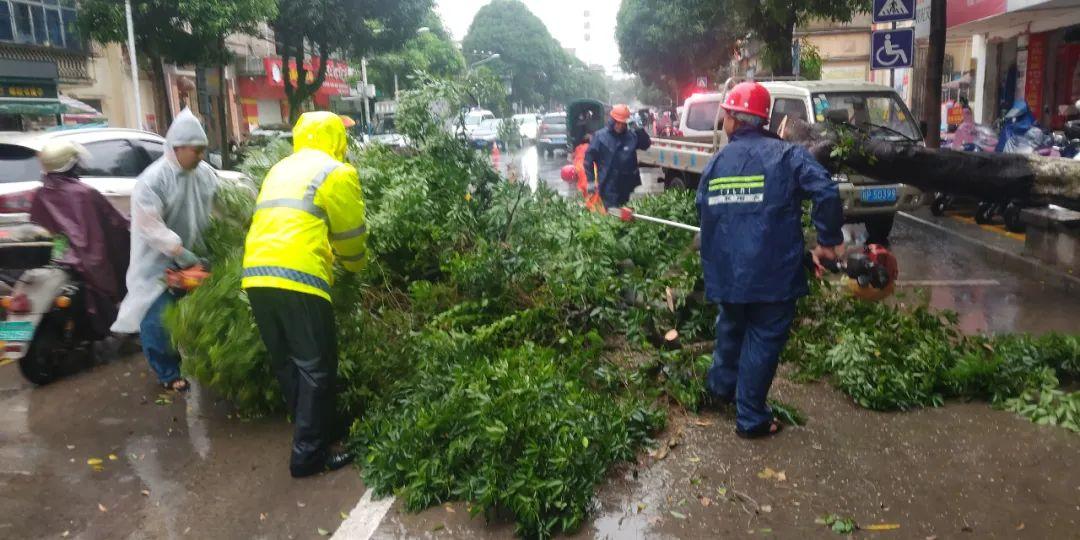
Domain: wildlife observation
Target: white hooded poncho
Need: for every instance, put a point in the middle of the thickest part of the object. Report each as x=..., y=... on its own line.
x=170, y=208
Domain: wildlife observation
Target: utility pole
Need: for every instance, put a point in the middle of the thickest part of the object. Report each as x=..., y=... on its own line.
x=134, y=65
x=935, y=60
x=366, y=118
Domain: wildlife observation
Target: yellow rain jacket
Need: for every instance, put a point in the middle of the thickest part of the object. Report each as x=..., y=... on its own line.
x=310, y=206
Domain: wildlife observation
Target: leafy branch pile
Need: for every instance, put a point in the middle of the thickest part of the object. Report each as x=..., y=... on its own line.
x=501, y=346
x=889, y=357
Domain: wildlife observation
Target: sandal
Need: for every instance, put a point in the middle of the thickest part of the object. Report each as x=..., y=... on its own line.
x=177, y=385
x=767, y=429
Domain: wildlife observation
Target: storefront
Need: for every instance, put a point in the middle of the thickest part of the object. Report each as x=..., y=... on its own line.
x=262, y=98
x=29, y=99
x=1005, y=50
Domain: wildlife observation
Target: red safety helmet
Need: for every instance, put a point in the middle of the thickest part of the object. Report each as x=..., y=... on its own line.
x=568, y=173
x=620, y=113
x=749, y=98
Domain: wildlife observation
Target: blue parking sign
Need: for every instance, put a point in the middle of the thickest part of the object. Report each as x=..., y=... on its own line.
x=894, y=11
x=892, y=49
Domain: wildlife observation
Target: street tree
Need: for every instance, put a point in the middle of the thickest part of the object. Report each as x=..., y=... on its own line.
x=431, y=52
x=578, y=81
x=187, y=33
x=774, y=22
x=325, y=27
x=669, y=43
x=532, y=59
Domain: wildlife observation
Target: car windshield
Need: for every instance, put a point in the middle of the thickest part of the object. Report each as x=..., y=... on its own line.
x=475, y=119
x=490, y=123
x=18, y=164
x=880, y=113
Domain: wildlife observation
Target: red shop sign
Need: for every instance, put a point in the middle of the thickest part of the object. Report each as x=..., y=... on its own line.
x=1036, y=66
x=336, y=74
x=964, y=11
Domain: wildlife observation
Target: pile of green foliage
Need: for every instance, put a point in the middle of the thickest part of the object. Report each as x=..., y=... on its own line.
x=502, y=345
x=894, y=357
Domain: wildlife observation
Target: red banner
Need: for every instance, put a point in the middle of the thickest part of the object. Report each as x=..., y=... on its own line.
x=964, y=11
x=336, y=74
x=1036, y=66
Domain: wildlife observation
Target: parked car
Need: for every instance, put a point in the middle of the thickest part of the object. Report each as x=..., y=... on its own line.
x=474, y=118
x=528, y=126
x=487, y=134
x=552, y=134
x=386, y=134
x=117, y=157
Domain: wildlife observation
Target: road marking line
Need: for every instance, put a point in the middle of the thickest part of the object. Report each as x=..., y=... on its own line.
x=948, y=283
x=364, y=518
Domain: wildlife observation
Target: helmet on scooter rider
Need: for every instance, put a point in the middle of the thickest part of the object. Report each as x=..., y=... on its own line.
x=61, y=156
x=750, y=98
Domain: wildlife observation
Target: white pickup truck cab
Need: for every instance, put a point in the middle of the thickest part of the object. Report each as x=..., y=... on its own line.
x=876, y=109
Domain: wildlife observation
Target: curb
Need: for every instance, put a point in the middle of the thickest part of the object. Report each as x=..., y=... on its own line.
x=1011, y=261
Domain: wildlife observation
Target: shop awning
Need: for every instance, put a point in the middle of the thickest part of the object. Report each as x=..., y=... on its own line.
x=31, y=106
x=73, y=106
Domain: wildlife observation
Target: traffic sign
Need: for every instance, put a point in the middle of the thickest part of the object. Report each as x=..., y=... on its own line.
x=892, y=49
x=702, y=82
x=893, y=10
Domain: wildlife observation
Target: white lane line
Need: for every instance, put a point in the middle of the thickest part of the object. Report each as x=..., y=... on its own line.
x=949, y=283
x=364, y=518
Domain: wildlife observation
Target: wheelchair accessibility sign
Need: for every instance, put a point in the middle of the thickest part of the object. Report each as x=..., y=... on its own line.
x=892, y=49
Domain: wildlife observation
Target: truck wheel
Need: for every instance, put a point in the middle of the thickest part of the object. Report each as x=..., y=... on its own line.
x=878, y=229
x=1012, y=218
x=675, y=180
x=940, y=204
x=985, y=213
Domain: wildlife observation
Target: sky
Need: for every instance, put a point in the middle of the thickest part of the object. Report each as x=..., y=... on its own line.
x=565, y=20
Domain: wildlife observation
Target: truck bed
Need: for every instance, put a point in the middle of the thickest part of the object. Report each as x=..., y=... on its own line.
x=682, y=153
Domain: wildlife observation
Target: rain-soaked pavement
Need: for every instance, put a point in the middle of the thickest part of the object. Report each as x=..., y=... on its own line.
x=186, y=468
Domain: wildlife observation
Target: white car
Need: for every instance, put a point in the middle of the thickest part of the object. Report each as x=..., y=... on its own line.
x=117, y=157
x=476, y=117
x=528, y=125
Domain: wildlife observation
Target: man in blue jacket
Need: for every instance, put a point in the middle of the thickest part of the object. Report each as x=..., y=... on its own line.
x=613, y=151
x=750, y=204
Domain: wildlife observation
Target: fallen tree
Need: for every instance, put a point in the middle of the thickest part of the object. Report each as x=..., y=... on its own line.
x=985, y=175
x=506, y=348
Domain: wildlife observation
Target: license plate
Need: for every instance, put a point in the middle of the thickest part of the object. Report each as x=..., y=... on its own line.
x=879, y=195
x=16, y=331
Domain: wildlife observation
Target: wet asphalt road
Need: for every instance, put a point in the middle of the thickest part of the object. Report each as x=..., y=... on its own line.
x=188, y=468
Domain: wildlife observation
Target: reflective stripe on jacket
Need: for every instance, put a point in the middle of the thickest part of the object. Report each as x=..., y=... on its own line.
x=310, y=207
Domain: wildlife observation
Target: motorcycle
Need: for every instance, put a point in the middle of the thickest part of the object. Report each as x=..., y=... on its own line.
x=1033, y=140
x=45, y=325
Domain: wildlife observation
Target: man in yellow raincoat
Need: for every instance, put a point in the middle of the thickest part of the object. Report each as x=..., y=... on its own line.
x=309, y=213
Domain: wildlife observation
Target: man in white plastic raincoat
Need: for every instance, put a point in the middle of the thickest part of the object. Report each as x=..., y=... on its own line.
x=170, y=208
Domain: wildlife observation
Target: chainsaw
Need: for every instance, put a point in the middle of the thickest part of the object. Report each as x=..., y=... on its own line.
x=181, y=281
x=871, y=271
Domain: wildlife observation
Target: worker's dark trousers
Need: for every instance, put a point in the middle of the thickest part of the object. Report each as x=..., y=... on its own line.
x=299, y=332
x=749, y=338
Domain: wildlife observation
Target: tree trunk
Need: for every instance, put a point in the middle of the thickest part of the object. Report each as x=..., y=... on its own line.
x=985, y=175
x=223, y=111
x=935, y=60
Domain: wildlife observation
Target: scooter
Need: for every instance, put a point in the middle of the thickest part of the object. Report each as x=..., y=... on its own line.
x=45, y=326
